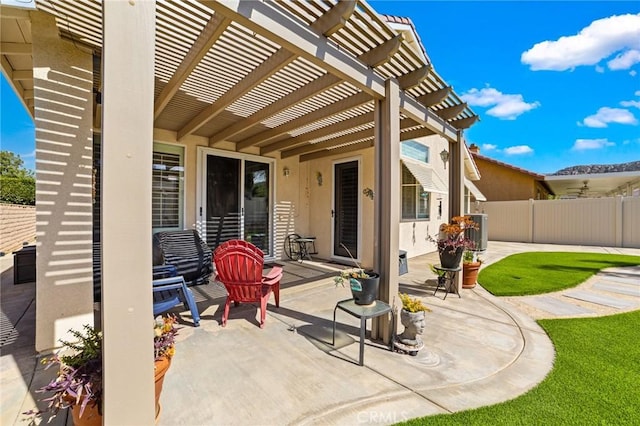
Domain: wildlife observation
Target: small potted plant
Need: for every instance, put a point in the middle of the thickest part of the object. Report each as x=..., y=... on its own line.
x=451, y=240
x=471, y=263
x=412, y=317
x=78, y=384
x=364, y=284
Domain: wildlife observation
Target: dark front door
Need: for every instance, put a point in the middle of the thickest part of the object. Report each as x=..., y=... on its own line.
x=223, y=200
x=346, y=209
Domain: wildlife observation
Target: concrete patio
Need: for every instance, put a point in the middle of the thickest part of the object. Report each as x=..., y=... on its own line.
x=479, y=350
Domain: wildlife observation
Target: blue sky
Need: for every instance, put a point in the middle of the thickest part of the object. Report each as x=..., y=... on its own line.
x=555, y=84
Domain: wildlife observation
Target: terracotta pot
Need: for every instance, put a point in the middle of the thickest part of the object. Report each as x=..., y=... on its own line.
x=161, y=365
x=91, y=416
x=470, y=274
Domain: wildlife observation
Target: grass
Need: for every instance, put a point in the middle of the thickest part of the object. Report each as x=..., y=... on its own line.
x=594, y=379
x=543, y=272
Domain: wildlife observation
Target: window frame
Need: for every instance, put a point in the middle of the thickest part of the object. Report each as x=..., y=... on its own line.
x=180, y=151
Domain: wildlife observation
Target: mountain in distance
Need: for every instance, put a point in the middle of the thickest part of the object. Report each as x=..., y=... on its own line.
x=599, y=168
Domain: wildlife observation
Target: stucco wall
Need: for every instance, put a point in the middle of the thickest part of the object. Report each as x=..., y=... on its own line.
x=17, y=226
x=499, y=183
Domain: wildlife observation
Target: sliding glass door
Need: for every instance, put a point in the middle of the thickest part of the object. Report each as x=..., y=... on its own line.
x=236, y=199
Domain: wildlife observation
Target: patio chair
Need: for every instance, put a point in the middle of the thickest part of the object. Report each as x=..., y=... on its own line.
x=187, y=252
x=239, y=266
x=169, y=290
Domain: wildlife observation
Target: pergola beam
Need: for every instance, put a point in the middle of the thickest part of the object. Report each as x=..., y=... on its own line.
x=424, y=116
x=335, y=108
x=414, y=78
x=335, y=18
x=207, y=38
x=20, y=75
x=434, y=98
x=452, y=111
x=273, y=64
x=330, y=143
x=7, y=48
x=330, y=129
x=323, y=83
x=342, y=150
x=464, y=123
x=340, y=140
x=382, y=53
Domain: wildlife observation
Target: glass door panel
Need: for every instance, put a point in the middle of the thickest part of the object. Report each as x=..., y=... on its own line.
x=223, y=211
x=256, y=204
x=346, y=209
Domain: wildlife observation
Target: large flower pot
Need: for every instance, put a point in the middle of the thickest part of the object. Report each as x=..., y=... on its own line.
x=470, y=274
x=90, y=415
x=450, y=257
x=161, y=367
x=365, y=290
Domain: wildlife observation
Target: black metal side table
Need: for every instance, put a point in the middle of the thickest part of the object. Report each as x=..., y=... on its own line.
x=447, y=280
x=363, y=312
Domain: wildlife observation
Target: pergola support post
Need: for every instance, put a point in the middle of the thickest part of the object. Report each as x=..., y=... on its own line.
x=456, y=185
x=127, y=145
x=387, y=213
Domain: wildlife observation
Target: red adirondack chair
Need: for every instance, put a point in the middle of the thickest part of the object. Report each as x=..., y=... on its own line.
x=239, y=266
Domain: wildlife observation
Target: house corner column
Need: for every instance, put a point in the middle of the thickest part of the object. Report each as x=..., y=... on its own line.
x=387, y=213
x=127, y=146
x=63, y=100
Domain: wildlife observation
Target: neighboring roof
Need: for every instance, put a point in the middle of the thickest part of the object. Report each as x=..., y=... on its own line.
x=595, y=184
x=470, y=166
x=474, y=190
x=509, y=166
x=427, y=177
x=296, y=77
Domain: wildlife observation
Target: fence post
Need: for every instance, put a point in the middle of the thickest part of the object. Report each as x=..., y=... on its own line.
x=531, y=211
x=618, y=225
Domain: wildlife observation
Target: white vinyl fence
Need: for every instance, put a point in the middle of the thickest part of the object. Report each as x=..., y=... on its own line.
x=613, y=222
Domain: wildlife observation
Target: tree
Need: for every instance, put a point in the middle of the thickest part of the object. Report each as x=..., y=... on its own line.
x=17, y=184
x=11, y=165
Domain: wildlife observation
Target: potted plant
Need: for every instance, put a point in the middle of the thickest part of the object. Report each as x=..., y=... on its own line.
x=471, y=263
x=451, y=240
x=364, y=284
x=78, y=384
x=412, y=317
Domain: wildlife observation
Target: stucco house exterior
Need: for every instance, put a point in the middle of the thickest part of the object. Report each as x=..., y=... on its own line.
x=239, y=119
x=505, y=182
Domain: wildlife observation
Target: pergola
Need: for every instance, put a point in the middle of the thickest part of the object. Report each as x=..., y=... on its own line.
x=307, y=79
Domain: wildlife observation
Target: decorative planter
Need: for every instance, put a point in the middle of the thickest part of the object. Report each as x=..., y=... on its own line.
x=365, y=290
x=91, y=416
x=410, y=341
x=162, y=366
x=450, y=258
x=470, y=274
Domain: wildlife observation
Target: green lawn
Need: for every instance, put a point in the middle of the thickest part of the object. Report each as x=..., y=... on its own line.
x=595, y=379
x=544, y=272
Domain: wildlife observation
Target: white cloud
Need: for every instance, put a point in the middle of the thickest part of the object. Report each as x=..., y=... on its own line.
x=632, y=73
x=599, y=69
x=630, y=104
x=637, y=93
x=489, y=147
x=625, y=60
x=518, y=150
x=606, y=115
x=504, y=106
x=600, y=40
x=584, y=144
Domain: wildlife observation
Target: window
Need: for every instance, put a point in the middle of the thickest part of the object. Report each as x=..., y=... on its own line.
x=415, y=150
x=168, y=187
x=415, y=200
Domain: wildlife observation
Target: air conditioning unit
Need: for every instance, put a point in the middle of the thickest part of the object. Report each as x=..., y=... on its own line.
x=480, y=235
